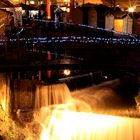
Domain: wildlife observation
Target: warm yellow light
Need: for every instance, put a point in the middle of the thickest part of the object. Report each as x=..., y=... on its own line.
x=118, y=25
x=67, y=125
x=44, y=135
x=66, y=72
x=15, y=1
x=1, y=26
x=131, y=9
x=32, y=2
x=66, y=1
x=3, y=104
x=68, y=10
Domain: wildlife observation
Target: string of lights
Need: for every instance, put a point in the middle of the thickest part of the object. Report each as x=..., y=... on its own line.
x=19, y=32
x=82, y=25
x=75, y=39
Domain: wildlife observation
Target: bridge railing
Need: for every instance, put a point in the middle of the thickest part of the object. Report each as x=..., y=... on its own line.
x=31, y=44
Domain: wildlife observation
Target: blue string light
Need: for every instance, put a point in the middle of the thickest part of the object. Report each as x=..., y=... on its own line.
x=75, y=39
x=95, y=40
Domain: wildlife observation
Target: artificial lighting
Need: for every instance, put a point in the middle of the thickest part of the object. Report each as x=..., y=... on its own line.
x=65, y=124
x=15, y=1
x=1, y=26
x=118, y=25
x=66, y=72
x=65, y=9
x=3, y=104
x=66, y=1
x=131, y=9
x=41, y=2
x=68, y=10
x=32, y=2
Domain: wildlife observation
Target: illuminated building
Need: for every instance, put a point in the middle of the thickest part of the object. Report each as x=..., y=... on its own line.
x=66, y=5
x=123, y=23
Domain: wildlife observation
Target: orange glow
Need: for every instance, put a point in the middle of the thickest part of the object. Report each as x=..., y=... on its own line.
x=15, y=1
x=118, y=25
x=66, y=72
x=69, y=119
x=3, y=98
x=48, y=10
x=1, y=26
x=67, y=125
x=80, y=2
x=131, y=9
x=44, y=135
x=3, y=104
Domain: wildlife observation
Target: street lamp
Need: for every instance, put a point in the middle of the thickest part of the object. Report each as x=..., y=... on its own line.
x=131, y=9
x=67, y=72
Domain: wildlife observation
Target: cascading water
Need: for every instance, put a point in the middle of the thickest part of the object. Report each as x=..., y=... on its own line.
x=51, y=95
x=66, y=125
x=66, y=115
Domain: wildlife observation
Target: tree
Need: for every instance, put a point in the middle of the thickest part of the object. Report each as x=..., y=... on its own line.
x=113, y=3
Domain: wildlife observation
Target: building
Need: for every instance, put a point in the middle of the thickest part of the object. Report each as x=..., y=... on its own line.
x=136, y=23
x=90, y=14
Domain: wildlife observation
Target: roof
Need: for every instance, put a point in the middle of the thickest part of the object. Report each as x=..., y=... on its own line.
x=117, y=13
x=100, y=8
x=120, y=14
x=134, y=15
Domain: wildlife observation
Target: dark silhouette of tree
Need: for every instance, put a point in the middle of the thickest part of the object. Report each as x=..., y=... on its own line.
x=111, y=3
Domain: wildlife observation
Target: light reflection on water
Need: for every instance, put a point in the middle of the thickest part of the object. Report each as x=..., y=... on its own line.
x=74, y=119
x=66, y=125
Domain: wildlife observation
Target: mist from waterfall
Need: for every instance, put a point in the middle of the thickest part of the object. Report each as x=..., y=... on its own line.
x=65, y=115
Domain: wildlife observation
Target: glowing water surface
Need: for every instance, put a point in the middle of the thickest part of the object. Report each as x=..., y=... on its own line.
x=74, y=119
x=66, y=125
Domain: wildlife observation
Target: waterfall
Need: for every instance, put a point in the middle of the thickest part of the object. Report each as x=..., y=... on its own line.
x=52, y=94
